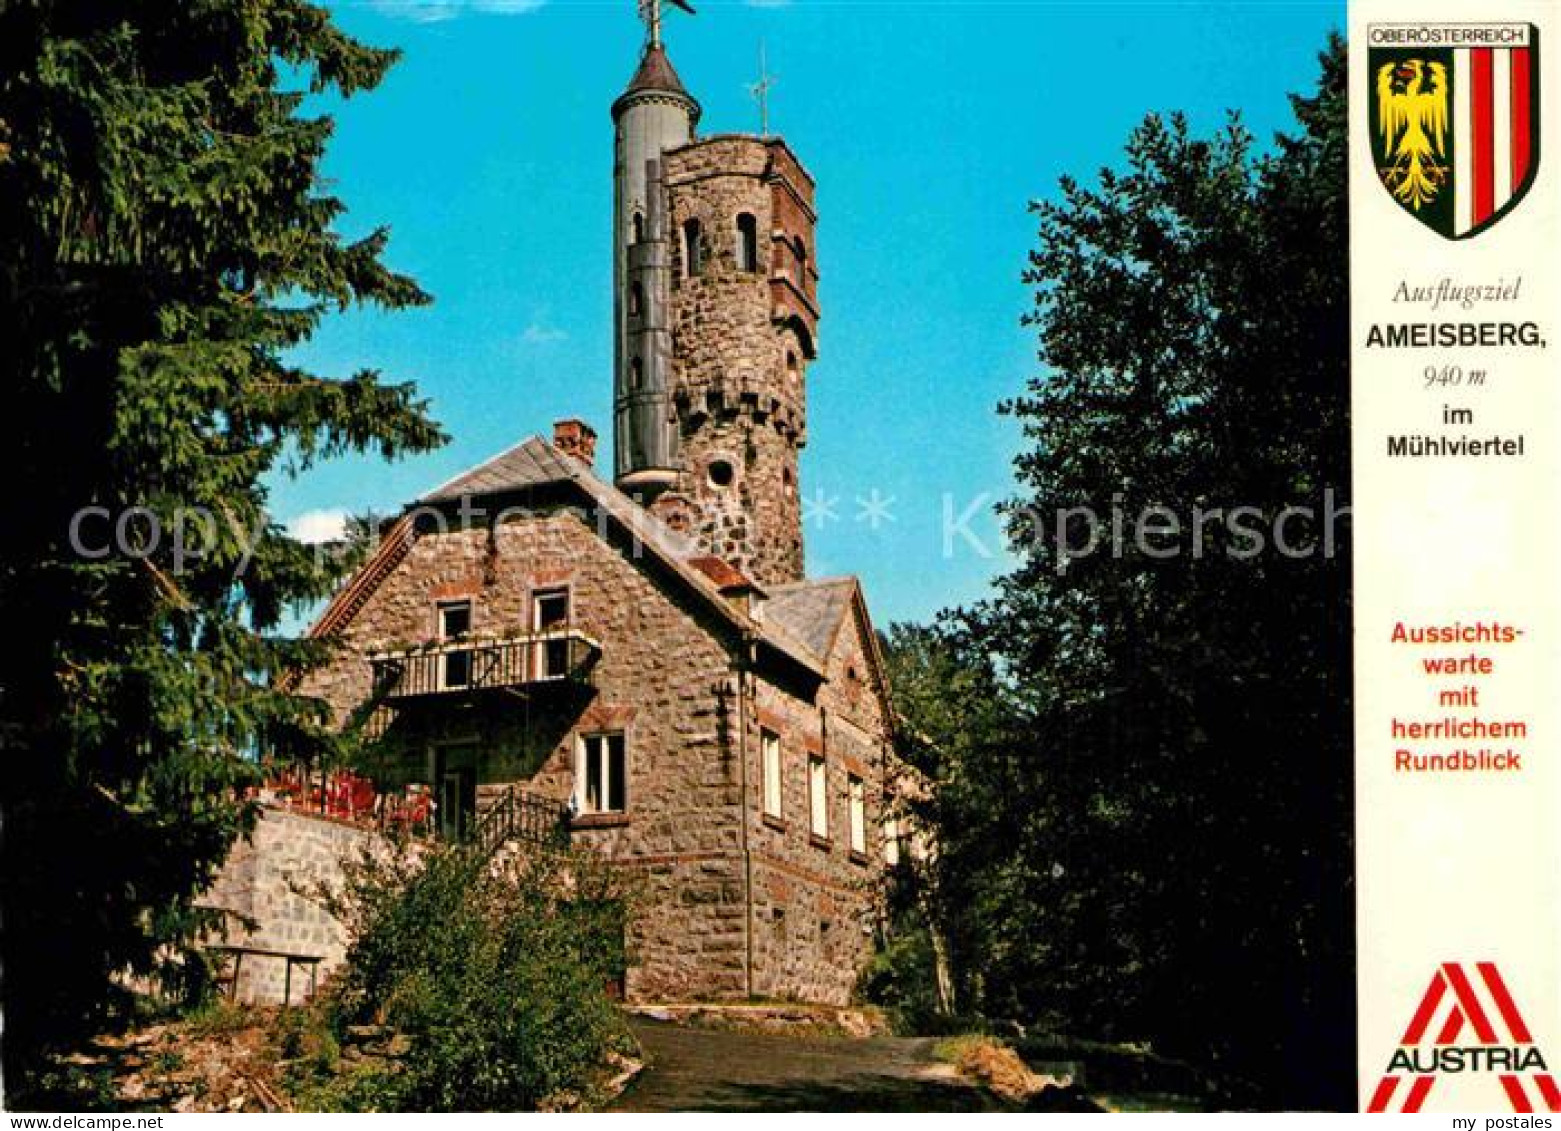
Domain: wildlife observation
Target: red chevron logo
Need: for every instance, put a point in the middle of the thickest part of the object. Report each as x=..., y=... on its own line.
x=1501, y=1044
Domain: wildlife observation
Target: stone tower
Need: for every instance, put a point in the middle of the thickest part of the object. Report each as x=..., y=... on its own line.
x=717, y=315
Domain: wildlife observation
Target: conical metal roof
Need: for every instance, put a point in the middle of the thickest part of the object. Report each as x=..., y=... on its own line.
x=655, y=73
x=656, y=77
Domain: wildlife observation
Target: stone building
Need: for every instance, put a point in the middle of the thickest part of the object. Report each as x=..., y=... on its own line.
x=647, y=652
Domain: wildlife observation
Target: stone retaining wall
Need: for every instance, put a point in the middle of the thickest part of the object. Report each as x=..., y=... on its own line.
x=288, y=853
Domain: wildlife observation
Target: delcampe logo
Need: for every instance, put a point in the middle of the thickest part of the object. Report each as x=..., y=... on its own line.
x=1454, y=120
x=1477, y=1028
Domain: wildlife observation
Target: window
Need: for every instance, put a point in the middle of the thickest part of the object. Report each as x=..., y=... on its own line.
x=818, y=797
x=770, y=750
x=637, y=226
x=693, y=252
x=600, y=774
x=455, y=621
x=636, y=299
x=721, y=473
x=891, y=842
x=747, y=243
x=801, y=250
x=636, y=374
x=856, y=794
x=791, y=366
x=550, y=615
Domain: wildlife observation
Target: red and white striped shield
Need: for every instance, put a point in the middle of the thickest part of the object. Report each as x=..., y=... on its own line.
x=1455, y=120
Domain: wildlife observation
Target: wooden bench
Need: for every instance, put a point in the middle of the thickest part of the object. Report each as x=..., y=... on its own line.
x=238, y=951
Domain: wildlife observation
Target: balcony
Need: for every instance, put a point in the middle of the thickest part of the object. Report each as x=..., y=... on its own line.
x=473, y=664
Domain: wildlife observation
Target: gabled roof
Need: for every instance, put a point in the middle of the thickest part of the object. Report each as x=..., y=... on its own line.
x=535, y=463
x=816, y=611
x=812, y=611
x=530, y=463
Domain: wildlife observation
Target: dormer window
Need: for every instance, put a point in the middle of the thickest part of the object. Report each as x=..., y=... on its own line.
x=747, y=243
x=693, y=253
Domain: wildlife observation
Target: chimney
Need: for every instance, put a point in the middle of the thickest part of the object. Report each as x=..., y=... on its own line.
x=575, y=438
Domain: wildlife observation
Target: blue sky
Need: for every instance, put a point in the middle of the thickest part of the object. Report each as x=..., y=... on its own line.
x=928, y=126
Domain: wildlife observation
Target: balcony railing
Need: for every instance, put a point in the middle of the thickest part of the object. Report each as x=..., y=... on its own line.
x=456, y=667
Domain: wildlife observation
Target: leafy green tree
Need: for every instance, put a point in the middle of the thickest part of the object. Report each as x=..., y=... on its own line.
x=495, y=971
x=167, y=243
x=1147, y=832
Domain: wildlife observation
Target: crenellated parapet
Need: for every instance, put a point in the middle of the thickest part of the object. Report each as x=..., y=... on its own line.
x=744, y=315
x=716, y=312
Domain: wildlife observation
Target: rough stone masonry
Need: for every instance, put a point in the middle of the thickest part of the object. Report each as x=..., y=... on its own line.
x=648, y=652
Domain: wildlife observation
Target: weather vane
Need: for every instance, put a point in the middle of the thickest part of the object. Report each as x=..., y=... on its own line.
x=650, y=12
x=761, y=93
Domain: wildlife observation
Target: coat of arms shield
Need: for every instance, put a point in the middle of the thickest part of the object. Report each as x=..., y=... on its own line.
x=1454, y=120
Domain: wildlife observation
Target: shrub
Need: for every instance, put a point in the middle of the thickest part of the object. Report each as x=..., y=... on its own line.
x=497, y=974
x=306, y=1036
x=902, y=979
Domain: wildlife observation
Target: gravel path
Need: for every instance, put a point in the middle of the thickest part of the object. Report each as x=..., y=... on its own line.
x=690, y=1069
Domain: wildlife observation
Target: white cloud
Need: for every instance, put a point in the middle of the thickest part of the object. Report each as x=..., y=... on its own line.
x=539, y=333
x=313, y=527
x=434, y=11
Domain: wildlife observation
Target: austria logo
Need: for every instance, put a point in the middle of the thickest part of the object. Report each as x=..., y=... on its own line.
x=1497, y=1042
x=1454, y=120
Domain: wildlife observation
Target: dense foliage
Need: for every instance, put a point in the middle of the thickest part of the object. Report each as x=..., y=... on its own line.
x=497, y=975
x=166, y=243
x=1144, y=758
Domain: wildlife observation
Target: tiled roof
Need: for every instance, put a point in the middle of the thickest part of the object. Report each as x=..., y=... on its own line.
x=812, y=611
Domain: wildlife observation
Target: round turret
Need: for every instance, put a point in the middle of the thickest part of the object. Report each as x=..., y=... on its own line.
x=654, y=114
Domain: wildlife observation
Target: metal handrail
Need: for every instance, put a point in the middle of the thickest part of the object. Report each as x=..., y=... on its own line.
x=522, y=816
x=476, y=663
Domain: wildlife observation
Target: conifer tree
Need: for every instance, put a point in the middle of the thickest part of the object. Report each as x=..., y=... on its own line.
x=1145, y=754
x=167, y=241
